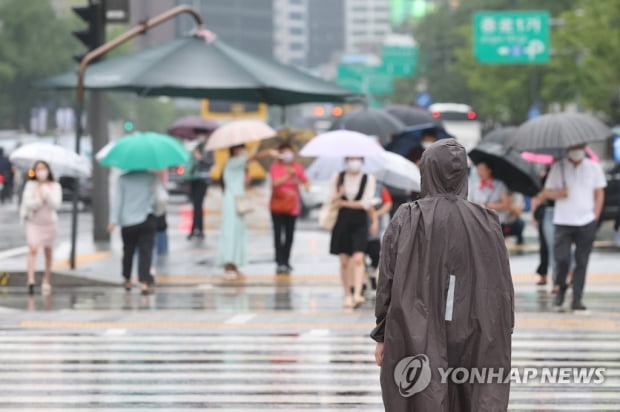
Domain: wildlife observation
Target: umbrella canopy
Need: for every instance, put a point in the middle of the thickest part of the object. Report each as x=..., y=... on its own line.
x=239, y=132
x=501, y=135
x=191, y=126
x=295, y=137
x=508, y=166
x=412, y=116
x=373, y=122
x=558, y=131
x=342, y=143
x=144, y=151
x=411, y=138
x=196, y=66
x=63, y=162
x=389, y=168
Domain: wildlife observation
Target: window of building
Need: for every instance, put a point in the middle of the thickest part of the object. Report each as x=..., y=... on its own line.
x=296, y=46
x=296, y=1
x=296, y=15
x=296, y=30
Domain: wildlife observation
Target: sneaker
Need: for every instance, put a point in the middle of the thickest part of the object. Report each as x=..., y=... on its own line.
x=578, y=306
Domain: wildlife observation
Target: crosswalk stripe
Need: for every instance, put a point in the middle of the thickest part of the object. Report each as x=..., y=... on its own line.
x=322, y=371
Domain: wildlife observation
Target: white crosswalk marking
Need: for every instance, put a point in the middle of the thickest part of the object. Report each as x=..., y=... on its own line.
x=320, y=371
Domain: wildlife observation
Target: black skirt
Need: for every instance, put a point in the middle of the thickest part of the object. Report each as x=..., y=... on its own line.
x=350, y=233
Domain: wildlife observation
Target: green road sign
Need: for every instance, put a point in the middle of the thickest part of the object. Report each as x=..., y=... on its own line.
x=511, y=37
x=364, y=79
x=398, y=60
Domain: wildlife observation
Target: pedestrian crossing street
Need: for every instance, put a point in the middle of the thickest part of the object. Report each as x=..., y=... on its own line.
x=314, y=370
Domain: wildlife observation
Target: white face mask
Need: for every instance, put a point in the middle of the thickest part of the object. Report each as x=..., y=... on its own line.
x=576, y=155
x=426, y=145
x=42, y=175
x=287, y=157
x=354, y=165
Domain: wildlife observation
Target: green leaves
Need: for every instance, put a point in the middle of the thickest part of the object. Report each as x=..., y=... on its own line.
x=34, y=43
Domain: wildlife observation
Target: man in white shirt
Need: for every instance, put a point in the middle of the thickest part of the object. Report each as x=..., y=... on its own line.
x=577, y=186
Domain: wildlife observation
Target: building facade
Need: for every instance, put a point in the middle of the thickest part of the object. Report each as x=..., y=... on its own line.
x=367, y=22
x=246, y=24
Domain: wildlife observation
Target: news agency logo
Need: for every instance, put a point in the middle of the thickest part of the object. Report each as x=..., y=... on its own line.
x=412, y=375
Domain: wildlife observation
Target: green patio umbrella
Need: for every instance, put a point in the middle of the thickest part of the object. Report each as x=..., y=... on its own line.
x=144, y=151
x=200, y=66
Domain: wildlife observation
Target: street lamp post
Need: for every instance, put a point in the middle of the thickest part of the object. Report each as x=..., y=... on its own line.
x=91, y=56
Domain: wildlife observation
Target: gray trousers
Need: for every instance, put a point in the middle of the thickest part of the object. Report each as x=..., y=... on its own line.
x=583, y=239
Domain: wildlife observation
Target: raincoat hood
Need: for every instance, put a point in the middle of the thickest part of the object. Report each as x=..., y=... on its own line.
x=444, y=169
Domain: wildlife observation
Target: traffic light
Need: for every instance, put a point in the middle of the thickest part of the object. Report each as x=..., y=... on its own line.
x=92, y=36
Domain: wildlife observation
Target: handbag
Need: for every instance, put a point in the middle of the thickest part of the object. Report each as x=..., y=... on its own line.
x=244, y=204
x=161, y=199
x=283, y=202
x=328, y=215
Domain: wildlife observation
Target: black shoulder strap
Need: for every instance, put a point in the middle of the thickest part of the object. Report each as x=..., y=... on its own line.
x=360, y=193
x=340, y=182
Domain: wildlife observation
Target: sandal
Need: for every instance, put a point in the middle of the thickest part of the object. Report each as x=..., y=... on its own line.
x=46, y=288
x=127, y=285
x=542, y=281
x=348, y=302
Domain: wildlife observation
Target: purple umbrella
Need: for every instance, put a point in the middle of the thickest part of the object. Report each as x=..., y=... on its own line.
x=189, y=127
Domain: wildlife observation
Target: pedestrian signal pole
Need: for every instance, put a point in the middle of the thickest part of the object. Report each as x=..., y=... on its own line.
x=96, y=11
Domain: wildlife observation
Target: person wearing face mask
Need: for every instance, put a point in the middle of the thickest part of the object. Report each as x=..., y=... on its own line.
x=352, y=191
x=232, y=248
x=577, y=185
x=285, y=204
x=41, y=199
x=199, y=178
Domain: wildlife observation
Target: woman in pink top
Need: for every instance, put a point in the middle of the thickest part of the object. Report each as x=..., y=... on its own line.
x=286, y=176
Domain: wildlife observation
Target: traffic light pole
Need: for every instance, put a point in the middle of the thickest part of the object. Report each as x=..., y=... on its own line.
x=99, y=51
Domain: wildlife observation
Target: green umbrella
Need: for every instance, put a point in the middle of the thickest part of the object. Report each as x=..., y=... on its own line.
x=145, y=151
x=200, y=67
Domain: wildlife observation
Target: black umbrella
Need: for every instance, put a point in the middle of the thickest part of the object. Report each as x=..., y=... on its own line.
x=558, y=131
x=501, y=135
x=508, y=166
x=412, y=116
x=373, y=122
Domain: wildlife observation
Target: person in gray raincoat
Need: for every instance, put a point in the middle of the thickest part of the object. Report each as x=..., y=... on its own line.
x=444, y=298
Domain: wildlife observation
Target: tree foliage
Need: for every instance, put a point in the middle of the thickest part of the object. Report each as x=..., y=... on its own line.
x=505, y=92
x=34, y=44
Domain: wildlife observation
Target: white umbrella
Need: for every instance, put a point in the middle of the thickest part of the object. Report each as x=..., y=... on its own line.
x=103, y=152
x=390, y=168
x=342, y=143
x=239, y=132
x=63, y=162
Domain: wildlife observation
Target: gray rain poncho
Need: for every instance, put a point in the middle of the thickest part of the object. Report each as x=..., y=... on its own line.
x=445, y=296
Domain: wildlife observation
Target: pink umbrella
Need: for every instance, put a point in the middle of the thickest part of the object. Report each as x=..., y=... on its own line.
x=537, y=158
x=546, y=159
